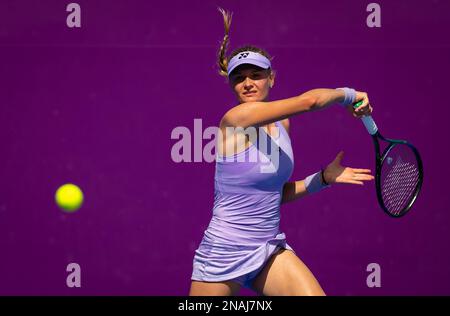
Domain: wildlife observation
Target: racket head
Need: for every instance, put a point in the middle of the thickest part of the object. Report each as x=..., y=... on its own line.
x=399, y=176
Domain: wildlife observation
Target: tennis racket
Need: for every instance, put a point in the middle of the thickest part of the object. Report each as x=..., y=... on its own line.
x=399, y=171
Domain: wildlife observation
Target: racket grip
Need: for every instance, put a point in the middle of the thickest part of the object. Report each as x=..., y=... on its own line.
x=368, y=121
x=370, y=125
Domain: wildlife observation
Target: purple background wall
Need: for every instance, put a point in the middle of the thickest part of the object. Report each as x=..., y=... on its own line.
x=95, y=106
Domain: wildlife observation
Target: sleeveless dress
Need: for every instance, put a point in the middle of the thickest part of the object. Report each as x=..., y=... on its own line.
x=244, y=230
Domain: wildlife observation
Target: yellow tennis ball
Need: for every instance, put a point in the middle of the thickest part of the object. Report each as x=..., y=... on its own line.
x=69, y=197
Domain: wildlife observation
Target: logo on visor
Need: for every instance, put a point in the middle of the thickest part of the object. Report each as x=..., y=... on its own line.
x=243, y=55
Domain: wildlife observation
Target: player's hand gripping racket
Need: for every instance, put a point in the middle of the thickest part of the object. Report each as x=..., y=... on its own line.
x=399, y=171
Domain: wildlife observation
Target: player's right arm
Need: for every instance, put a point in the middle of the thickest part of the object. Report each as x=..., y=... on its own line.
x=262, y=113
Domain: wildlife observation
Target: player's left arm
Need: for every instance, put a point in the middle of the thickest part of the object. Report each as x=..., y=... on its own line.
x=296, y=189
x=293, y=190
x=333, y=173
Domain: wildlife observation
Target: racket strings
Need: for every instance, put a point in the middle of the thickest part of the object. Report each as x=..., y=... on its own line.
x=399, y=180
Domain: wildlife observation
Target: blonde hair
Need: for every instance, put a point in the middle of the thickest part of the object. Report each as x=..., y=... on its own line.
x=222, y=59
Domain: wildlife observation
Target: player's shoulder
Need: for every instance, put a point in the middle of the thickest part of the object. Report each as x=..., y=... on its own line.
x=285, y=123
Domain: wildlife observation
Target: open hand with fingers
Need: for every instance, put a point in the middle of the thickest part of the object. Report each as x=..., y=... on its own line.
x=336, y=173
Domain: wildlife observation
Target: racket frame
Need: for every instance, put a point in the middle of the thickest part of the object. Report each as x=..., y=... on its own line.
x=373, y=131
x=379, y=160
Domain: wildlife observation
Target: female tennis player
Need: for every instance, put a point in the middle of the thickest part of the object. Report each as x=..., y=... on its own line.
x=243, y=245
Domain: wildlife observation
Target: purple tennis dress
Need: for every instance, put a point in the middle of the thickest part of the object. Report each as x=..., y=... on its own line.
x=244, y=230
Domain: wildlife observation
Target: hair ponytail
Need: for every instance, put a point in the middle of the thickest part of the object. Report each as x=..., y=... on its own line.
x=222, y=59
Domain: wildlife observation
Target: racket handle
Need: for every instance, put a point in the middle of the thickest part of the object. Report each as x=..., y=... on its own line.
x=368, y=121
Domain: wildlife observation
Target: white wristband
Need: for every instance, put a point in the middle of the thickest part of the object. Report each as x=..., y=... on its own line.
x=350, y=96
x=313, y=183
